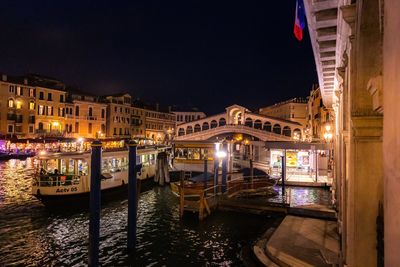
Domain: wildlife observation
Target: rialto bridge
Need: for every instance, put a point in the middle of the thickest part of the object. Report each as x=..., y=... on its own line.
x=238, y=119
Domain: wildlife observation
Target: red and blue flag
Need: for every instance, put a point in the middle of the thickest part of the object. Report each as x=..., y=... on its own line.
x=299, y=22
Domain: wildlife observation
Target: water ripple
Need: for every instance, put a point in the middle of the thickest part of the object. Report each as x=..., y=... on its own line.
x=33, y=235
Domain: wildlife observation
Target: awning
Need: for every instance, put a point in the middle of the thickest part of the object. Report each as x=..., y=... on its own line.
x=296, y=145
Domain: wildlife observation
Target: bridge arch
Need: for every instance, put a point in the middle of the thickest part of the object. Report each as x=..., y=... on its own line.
x=222, y=122
x=277, y=129
x=213, y=124
x=287, y=131
x=205, y=126
x=189, y=129
x=297, y=132
x=258, y=124
x=181, y=132
x=267, y=126
x=249, y=122
x=197, y=128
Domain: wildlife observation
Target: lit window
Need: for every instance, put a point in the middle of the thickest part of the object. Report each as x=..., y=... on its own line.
x=31, y=105
x=41, y=110
x=50, y=111
x=19, y=104
x=10, y=103
x=19, y=90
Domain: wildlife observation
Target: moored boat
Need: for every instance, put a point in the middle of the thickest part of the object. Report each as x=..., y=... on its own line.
x=68, y=174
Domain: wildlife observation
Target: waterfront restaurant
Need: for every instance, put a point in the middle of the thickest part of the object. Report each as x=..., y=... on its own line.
x=305, y=164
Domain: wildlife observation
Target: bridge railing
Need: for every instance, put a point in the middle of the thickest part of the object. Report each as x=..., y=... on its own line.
x=221, y=129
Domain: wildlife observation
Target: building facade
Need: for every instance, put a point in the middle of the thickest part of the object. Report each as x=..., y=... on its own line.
x=293, y=110
x=355, y=45
x=160, y=126
x=17, y=107
x=188, y=116
x=319, y=118
x=85, y=116
x=118, y=115
x=50, y=108
x=138, y=122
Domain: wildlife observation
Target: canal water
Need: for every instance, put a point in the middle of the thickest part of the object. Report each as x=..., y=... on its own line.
x=34, y=235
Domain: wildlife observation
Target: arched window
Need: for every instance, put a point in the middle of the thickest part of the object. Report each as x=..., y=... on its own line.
x=249, y=122
x=214, y=124
x=77, y=111
x=222, y=122
x=257, y=124
x=181, y=132
x=287, y=131
x=197, y=128
x=90, y=112
x=103, y=113
x=267, y=126
x=10, y=103
x=277, y=129
x=189, y=130
x=40, y=126
x=205, y=126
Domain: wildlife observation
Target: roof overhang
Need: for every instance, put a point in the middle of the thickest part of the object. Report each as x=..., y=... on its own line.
x=322, y=20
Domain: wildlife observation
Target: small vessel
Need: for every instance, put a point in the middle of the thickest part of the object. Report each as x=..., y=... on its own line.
x=189, y=156
x=68, y=173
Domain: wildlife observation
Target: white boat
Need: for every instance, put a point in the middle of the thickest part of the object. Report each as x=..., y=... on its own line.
x=68, y=174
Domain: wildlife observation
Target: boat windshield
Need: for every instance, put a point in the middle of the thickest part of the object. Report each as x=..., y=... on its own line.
x=112, y=165
x=193, y=153
x=57, y=172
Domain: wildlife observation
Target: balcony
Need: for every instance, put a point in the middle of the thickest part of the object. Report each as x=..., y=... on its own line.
x=91, y=118
x=43, y=132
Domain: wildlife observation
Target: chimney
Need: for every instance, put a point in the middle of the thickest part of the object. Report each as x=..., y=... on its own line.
x=157, y=107
x=26, y=81
x=4, y=77
x=169, y=109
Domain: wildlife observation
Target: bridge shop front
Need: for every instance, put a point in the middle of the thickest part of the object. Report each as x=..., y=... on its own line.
x=305, y=163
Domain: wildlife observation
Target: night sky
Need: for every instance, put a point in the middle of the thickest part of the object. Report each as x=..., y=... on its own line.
x=208, y=54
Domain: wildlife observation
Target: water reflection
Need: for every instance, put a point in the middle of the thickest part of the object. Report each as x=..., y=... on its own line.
x=33, y=235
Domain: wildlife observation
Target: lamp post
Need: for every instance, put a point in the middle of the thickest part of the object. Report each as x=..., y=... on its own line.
x=328, y=139
x=220, y=155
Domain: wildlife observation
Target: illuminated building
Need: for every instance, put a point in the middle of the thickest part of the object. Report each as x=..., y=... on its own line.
x=17, y=106
x=318, y=115
x=356, y=50
x=293, y=110
x=119, y=113
x=85, y=116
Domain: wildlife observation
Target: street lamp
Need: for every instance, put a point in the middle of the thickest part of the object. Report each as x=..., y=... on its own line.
x=328, y=138
x=220, y=155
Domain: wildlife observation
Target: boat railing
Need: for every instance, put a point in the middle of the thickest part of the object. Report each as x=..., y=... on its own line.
x=256, y=182
x=49, y=180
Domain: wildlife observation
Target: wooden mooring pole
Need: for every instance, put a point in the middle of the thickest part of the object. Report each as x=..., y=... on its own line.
x=95, y=203
x=132, y=196
x=181, y=195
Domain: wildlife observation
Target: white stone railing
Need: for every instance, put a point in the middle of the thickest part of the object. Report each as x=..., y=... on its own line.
x=259, y=133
